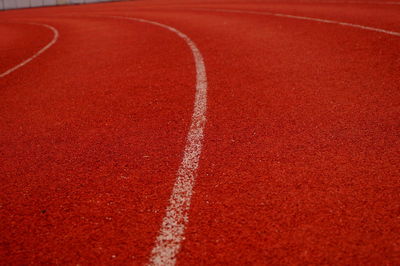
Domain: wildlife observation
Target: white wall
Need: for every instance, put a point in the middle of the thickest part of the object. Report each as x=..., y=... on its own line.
x=49, y=2
x=36, y=3
x=10, y=4
x=23, y=3
x=13, y=4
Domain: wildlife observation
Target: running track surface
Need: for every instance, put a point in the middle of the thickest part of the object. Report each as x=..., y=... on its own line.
x=300, y=158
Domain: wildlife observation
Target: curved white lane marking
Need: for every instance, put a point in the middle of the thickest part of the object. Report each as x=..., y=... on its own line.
x=351, y=2
x=394, y=33
x=172, y=230
x=53, y=41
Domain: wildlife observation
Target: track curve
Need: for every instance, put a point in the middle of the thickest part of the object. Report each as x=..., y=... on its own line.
x=299, y=164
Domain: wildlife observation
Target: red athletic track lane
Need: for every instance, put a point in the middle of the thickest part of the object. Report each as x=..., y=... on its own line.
x=89, y=162
x=20, y=41
x=300, y=161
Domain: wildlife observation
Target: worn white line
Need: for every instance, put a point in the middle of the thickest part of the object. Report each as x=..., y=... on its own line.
x=53, y=41
x=351, y=2
x=358, y=2
x=172, y=230
x=394, y=33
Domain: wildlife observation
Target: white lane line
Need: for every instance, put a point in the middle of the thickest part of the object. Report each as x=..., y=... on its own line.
x=351, y=2
x=53, y=41
x=389, y=3
x=394, y=33
x=172, y=229
x=358, y=2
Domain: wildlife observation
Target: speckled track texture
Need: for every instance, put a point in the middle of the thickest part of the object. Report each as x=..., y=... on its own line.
x=300, y=160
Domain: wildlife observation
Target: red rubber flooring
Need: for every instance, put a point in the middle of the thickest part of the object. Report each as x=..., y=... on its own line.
x=300, y=159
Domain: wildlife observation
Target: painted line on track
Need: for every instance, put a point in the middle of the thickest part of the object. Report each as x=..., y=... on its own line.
x=394, y=33
x=172, y=230
x=351, y=2
x=53, y=41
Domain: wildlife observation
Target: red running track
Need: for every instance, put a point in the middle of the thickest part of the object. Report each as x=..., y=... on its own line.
x=300, y=158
